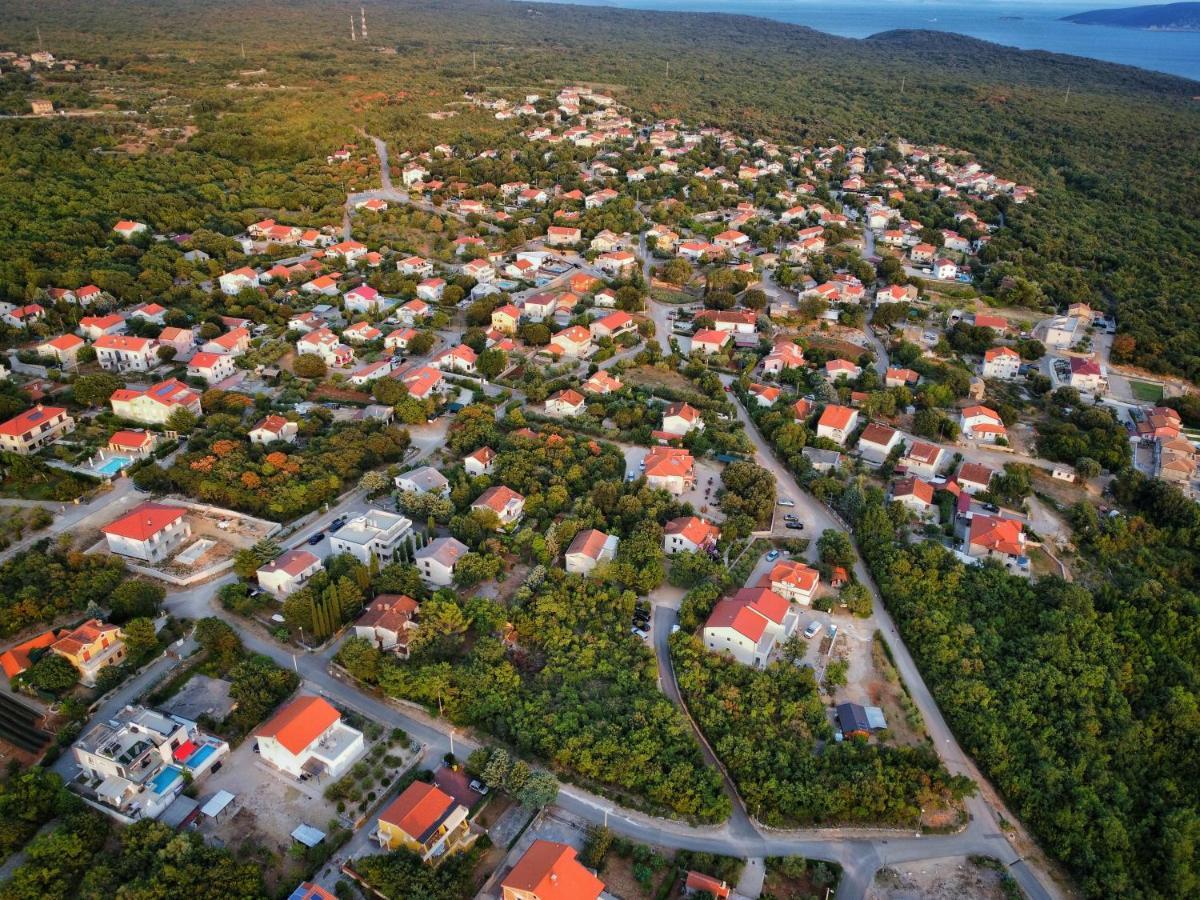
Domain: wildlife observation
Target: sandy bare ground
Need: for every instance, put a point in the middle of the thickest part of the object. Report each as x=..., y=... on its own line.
x=953, y=878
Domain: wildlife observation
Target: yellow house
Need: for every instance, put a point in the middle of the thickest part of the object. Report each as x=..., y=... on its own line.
x=506, y=318
x=426, y=820
x=91, y=647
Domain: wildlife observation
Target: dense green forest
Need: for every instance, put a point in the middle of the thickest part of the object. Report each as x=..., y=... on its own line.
x=766, y=725
x=1115, y=161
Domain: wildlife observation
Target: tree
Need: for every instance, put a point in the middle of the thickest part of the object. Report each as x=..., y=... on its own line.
x=94, y=390
x=136, y=598
x=362, y=659
x=499, y=764
x=388, y=391
x=539, y=790
x=140, y=638
x=422, y=342
x=491, y=362
x=857, y=599
x=835, y=548
x=374, y=482
x=181, y=420
x=1086, y=468
x=52, y=673
x=309, y=365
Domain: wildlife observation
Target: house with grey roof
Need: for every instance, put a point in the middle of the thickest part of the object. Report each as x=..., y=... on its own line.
x=437, y=559
x=425, y=480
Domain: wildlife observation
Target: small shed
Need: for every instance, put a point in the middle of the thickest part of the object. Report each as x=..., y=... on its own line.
x=875, y=718
x=852, y=719
x=218, y=805
x=307, y=835
x=180, y=813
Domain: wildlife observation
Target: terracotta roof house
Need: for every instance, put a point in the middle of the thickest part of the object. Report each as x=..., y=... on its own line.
x=506, y=503
x=690, y=534
x=287, y=573
x=550, y=871
x=837, y=422
x=426, y=820
x=307, y=736
x=150, y=532
x=387, y=622
x=588, y=549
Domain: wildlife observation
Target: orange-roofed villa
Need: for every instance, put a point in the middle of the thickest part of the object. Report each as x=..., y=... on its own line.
x=307, y=737
x=426, y=820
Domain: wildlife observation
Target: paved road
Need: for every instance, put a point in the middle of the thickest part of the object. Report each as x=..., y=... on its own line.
x=99, y=510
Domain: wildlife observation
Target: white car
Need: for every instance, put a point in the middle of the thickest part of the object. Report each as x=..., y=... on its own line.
x=812, y=629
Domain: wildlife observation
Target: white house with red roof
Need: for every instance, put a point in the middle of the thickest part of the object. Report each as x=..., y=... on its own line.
x=995, y=537
x=480, y=462
x=979, y=423
x=155, y=405
x=601, y=383
x=363, y=299
x=307, y=737
x=690, y=534
x=347, y=250
x=150, y=312
x=670, y=468
x=361, y=333
x=234, y=342
x=127, y=229
x=93, y=327
x=212, y=367
x=735, y=321
x=399, y=339
x=837, y=423
x=680, y=418
x=35, y=428
x=784, y=355
x=923, y=459
x=709, y=341
x=1001, y=362
x=1087, y=375
x=431, y=290
x=836, y=369
x=973, y=477
x=573, y=341
x=945, y=269
x=506, y=503
x=233, y=283
x=566, y=402
x=364, y=375
x=764, y=394
x=481, y=270
x=136, y=443
x=613, y=325
x=63, y=349
x=286, y=574
x=876, y=442
x=150, y=532
x=456, y=359
x=748, y=625
x=793, y=581
x=539, y=307
x=916, y=495
x=618, y=264
x=124, y=353
x=325, y=344
x=423, y=382
x=325, y=285
x=416, y=266
x=589, y=549
x=563, y=236
x=273, y=428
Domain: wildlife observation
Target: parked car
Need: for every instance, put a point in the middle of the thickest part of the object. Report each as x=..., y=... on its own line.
x=812, y=629
x=772, y=556
x=795, y=526
x=336, y=524
x=786, y=501
x=317, y=538
x=478, y=786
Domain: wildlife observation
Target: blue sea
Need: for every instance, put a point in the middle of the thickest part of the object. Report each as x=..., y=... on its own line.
x=1029, y=25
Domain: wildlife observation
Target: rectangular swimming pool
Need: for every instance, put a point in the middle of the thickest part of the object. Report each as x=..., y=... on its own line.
x=196, y=760
x=164, y=780
x=113, y=465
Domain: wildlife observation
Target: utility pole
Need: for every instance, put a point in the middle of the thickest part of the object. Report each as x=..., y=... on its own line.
x=1068, y=96
x=362, y=22
x=39, y=34
x=352, y=37
x=668, y=70
x=474, y=60
x=903, y=78
x=243, y=52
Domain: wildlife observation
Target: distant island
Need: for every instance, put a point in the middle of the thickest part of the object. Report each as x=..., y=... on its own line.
x=1164, y=17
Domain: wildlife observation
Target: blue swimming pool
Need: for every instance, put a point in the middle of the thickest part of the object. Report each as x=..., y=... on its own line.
x=113, y=465
x=164, y=780
x=196, y=760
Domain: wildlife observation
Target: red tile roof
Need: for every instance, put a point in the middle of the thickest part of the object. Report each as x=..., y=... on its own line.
x=418, y=810
x=300, y=723
x=550, y=871
x=144, y=521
